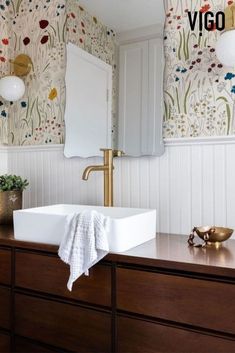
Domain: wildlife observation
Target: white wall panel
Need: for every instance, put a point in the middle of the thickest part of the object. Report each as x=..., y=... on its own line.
x=191, y=184
x=220, y=185
x=230, y=185
x=208, y=185
x=3, y=160
x=164, y=192
x=196, y=184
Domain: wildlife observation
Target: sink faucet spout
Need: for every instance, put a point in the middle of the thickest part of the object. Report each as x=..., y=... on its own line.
x=93, y=168
x=107, y=169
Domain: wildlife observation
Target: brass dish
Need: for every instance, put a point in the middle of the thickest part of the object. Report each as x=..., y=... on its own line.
x=215, y=234
x=209, y=235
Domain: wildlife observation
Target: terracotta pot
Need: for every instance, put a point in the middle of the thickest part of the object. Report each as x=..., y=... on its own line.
x=9, y=201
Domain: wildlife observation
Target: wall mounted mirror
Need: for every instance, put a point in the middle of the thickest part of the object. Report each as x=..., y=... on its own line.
x=88, y=112
x=114, y=97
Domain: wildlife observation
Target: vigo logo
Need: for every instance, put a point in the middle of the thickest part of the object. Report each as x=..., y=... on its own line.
x=209, y=20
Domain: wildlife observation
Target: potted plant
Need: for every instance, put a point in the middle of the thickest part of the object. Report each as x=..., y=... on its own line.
x=11, y=190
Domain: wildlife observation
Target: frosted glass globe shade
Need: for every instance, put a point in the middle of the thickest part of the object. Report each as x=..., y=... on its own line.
x=225, y=48
x=12, y=88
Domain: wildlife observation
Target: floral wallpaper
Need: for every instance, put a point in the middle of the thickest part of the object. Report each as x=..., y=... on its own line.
x=4, y=68
x=199, y=91
x=41, y=28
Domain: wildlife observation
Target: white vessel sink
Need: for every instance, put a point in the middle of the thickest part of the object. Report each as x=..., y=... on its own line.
x=129, y=227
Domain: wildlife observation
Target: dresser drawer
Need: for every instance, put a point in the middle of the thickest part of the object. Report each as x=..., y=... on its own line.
x=5, y=308
x=5, y=267
x=24, y=346
x=197, y=302
x=62, y=325
x=50, y=275
x=5, y=343
x=136, y=336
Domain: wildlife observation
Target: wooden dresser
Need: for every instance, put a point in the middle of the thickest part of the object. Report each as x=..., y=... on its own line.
x=5, y=298
x=161, y=297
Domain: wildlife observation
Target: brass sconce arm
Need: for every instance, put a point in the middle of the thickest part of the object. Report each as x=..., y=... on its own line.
x=230, y=17
x=12, y=87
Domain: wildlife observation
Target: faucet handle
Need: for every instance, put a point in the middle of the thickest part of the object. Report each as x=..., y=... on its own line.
x=105, y=149
x=118, y=153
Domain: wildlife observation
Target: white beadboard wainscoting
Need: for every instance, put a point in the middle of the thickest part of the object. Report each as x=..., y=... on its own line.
x=3, y=159
x=193, y=183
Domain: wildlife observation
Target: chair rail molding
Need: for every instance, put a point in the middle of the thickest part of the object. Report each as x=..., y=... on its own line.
x=210, y=140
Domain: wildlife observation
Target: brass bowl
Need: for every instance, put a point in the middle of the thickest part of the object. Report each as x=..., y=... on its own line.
x=216, y=234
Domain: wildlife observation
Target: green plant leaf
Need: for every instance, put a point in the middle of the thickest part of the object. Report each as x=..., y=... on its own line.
x=12, y=182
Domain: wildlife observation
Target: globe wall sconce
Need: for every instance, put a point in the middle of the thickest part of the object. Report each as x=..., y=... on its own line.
x=225, y=46
x=12, y=87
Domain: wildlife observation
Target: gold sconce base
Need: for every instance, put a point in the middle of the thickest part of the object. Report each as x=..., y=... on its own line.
x=22, y=65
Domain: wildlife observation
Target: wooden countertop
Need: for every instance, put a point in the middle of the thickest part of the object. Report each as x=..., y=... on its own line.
x=167, y=251
x=172, y=251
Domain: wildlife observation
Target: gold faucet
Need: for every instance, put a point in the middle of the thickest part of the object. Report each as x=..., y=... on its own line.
x=107, y=168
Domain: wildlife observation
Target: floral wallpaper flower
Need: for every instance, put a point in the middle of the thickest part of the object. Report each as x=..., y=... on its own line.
x=199, y=91
x=41, y=28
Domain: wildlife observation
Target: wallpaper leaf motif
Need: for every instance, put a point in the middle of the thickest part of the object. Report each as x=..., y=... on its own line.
x=41, y=28
x=199, y=91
